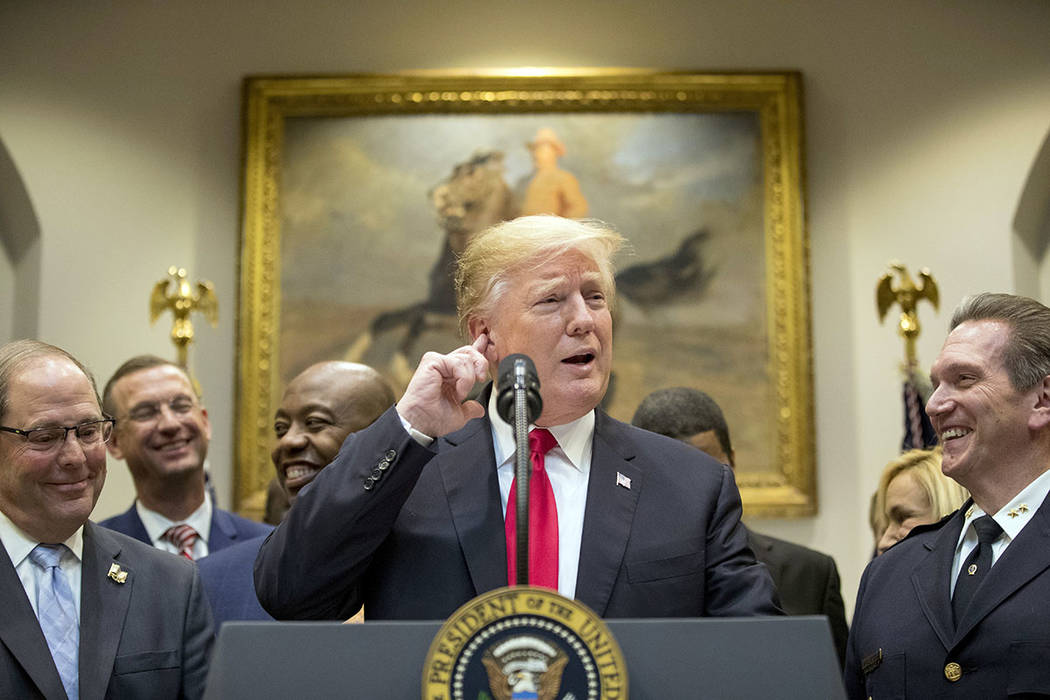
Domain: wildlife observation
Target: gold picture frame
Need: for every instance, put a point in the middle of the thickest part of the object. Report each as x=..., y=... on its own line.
x=341, y=194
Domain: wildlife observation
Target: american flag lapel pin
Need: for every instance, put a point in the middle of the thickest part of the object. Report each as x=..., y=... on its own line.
x=624, y=481
x=117, y=574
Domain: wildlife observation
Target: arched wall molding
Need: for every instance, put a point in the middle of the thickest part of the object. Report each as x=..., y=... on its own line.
x=20, y=241
x=1031, y=229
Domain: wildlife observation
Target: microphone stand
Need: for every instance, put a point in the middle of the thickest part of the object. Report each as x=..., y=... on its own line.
x=522, y=472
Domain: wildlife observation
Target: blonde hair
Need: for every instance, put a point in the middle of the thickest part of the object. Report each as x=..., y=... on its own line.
x=523, y=244
x=945, y=494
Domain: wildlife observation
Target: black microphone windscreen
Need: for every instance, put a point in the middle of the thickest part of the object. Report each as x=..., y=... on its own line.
x=505, y=387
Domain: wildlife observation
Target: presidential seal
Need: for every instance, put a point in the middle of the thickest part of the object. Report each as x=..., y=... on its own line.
x=524, y=643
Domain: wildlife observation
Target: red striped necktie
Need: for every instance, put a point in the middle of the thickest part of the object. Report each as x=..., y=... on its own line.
x=183, y=537
x=543, y=519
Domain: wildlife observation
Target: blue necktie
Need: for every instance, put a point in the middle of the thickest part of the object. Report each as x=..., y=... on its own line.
x=57, y=615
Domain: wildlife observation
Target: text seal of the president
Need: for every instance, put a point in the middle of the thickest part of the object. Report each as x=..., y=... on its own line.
x=524, y=642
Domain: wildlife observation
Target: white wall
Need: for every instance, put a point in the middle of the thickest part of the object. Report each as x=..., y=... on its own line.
x=922, y=123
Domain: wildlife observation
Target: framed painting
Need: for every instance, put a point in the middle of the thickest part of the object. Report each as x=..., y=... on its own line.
x=360, y=190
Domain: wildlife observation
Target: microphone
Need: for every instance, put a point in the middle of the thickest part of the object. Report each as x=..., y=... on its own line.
x=514, y=371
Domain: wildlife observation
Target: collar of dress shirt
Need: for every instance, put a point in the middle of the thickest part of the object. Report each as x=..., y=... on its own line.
x=156, y=524
x=573, y=438
x=1014, y=515
x=18, y=544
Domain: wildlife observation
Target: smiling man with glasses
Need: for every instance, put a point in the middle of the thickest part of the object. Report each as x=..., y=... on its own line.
x=87, y=612
x=162, y=434
x=48, y=440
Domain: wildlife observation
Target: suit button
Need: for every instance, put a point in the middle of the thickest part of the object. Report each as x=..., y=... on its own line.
x=376, y=474
x=383, y=465
x=390, y=454
x=953, y=671
x=369, y=483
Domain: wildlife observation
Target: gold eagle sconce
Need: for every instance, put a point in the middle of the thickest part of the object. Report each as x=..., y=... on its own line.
x=907, y=295
x=182, y=300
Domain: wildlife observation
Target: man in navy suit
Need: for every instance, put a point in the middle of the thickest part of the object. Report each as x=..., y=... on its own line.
x=959, y=608
x=807, y=580
x=114, y=618
x=410, y=517
x=163, y=433
x=321, y=406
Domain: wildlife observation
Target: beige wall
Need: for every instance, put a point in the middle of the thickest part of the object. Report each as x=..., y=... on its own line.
x=923, y=119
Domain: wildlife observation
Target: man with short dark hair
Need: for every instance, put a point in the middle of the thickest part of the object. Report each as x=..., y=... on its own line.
x=88, y=612
x=321, y=406
x=163, y=434
x=958, y=608
x=807, y=580
x=411, y=519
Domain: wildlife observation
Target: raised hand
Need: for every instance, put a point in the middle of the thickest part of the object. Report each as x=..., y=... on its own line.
x=434, y=402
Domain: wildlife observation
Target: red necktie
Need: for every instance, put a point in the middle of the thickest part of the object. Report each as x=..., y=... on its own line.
x=543, y=519
x=183, y=537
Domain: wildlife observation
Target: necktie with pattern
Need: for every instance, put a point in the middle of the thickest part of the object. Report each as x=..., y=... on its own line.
x=543, y=518
x=976, y=565
x=57, y=614
x=183, y=537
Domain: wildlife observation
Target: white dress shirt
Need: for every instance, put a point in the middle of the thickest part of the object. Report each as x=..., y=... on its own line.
x=156, y=525
x=18, y=545
x=1012, y=518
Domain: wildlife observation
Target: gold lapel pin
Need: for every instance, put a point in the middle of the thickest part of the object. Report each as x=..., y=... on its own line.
x=117, y=574
x=1013, y=513
x=1023, y=508
x=972, y=570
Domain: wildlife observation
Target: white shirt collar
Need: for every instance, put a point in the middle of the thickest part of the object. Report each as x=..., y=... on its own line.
x=1018, y=512
x=18, y=544
x=574, y=438
x=156, y=524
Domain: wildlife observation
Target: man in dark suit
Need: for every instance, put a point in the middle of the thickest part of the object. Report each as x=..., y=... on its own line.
x=88, y=613
x=410, y=517
x=959, y=608
x=321, y=406
x=162, y=433
x=807, y=580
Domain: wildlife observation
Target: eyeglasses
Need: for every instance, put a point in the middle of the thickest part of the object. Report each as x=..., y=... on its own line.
x=48, y=439
x=149, y=412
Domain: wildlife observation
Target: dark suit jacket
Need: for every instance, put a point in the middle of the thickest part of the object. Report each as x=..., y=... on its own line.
x=807, y=581
x=903, y=634
x=148, y=637
x=228, y=583
x=428, y=534
x=226, y=528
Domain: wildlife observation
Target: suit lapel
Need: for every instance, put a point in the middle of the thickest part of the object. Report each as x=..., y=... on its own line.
x=1024, y=559
x=20, y=632
x=104, y=605
x=932, y=579
x=468, y=471
x=133, y=526
x=223, y=533
x=608, y=515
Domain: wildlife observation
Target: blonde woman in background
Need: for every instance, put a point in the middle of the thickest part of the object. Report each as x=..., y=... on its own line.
x=913, y=491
